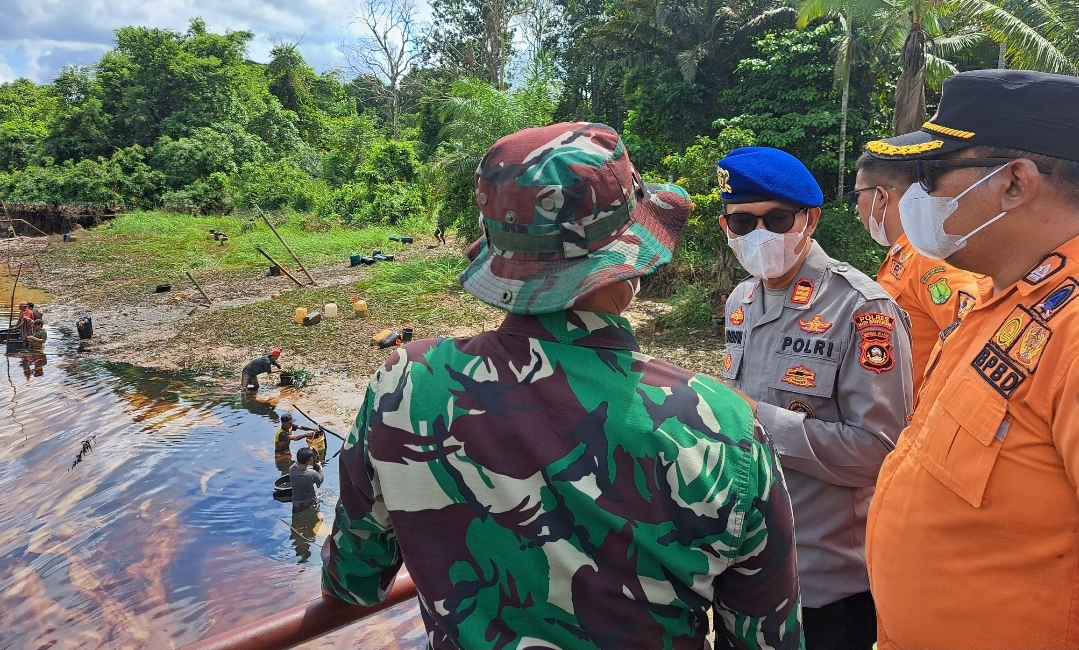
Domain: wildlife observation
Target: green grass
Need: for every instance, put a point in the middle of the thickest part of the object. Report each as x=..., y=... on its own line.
x=164, y=245
x=422, y=293
x=692, y=307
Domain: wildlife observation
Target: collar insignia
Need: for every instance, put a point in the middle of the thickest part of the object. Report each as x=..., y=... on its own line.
x=803, y=291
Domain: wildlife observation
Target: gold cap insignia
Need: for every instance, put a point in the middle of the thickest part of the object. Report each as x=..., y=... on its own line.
x=724, y=180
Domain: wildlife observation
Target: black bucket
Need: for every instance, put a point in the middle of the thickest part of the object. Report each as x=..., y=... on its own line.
x=162, y=288
x=283, y=482
x=274, y=271
x=284, y=495
x=354, y=260
x=285, y=379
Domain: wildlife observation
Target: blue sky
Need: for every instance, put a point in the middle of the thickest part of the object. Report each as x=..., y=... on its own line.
x=38, y=37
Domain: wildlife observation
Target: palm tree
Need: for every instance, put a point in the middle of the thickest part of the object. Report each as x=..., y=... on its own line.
x=923, y=34
x=847, y=51
x=687, y=33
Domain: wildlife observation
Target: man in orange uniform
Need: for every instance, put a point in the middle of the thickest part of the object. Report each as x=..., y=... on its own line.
x=973, y=535
x=929, y=290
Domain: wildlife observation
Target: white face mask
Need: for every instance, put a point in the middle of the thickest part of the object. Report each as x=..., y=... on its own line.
x=876, y=231
x=766, y=254
x=923, y=218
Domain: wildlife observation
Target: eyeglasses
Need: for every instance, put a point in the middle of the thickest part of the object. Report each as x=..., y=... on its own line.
x=852, y=196
x=928, y=170
x=777, y=221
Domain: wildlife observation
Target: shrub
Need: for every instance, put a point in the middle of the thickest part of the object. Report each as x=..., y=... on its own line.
x=205, y=196
x=842, y=235
x=276, y=186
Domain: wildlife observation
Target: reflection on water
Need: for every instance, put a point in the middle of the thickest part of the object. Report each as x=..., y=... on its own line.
x=165, y=530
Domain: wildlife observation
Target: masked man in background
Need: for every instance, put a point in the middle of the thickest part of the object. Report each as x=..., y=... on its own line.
x=823, y=356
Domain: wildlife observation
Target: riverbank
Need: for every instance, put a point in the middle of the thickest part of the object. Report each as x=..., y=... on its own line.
x=111, y=273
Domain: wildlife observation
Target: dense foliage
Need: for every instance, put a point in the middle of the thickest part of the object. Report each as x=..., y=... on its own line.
x=186, y=122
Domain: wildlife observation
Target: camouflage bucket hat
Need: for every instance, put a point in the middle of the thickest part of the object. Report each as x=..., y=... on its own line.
x=564, y=213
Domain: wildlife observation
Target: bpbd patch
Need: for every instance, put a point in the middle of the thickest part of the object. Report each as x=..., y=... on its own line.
x=996, y=369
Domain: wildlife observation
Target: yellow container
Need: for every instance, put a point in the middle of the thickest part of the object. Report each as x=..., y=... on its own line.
x=300, y=313
x=330, y=310
x=359, y=307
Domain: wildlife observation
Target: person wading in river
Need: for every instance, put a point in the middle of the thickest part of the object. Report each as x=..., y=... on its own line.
x=284, y=435
x=249, y=379
x=304, y=479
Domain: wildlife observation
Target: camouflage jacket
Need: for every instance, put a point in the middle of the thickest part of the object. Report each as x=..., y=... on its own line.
x=548, y=485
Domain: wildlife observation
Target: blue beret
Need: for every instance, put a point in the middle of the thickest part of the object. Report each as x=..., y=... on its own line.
x=752, y=174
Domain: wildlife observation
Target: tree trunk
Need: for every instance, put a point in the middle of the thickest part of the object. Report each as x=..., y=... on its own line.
x=910, y=89
x=1002, y=62
x=843, y=135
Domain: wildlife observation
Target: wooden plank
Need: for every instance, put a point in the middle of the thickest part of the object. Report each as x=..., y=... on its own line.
x=278, y=265
x=303, y=267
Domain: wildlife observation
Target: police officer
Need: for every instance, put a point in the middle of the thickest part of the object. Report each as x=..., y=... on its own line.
x=822, y=354
x=931, y=291
x=973, y=537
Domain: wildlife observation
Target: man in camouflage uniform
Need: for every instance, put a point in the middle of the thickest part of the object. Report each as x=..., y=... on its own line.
x=547, y=484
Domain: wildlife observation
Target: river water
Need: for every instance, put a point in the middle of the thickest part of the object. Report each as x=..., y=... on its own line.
x=165, y=531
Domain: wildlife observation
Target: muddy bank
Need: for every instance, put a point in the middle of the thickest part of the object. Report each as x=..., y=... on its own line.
x=171, y=330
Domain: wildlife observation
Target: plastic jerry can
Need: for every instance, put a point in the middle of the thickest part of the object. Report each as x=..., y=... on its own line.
x=301, y=312
x=314, y=318
x=359, y=307
x=330, y=310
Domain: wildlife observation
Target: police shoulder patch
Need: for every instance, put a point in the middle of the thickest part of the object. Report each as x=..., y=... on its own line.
x=875, y=345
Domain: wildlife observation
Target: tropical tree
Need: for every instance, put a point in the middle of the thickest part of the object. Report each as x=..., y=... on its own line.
x=924, y=34
x=847, y=51
x=476, y=114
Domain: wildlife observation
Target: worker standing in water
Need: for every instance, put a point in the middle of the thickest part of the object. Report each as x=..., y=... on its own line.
x=284, y=435
x=249, y=379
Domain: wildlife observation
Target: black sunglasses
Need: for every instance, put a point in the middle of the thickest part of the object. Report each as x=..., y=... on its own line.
x=928, y=170
x=777, y=221
x=852, y=196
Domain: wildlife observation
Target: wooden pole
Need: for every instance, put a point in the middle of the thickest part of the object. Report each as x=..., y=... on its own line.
x=193, y=281
x=278, y=265
x=11, y=310
x=303, y=267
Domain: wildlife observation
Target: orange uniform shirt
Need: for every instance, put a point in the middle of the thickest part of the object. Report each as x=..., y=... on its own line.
x=927, y=290
x=973, y=534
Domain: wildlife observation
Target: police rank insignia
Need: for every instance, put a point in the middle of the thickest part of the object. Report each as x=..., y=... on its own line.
x=815, y=325
x=798, y=406
x=724, y=179
x=939, y=291
x=875, y=348
x=1049, y=265
x=800, y=376
x=738, y=316
x=803, y=291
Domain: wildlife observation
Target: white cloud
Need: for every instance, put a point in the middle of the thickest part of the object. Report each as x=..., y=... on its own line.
x=38, y=37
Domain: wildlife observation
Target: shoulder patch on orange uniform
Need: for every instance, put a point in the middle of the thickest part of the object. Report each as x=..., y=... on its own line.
x=815, y=325
x=800, y=376
x=803, y=291
x=939, y=291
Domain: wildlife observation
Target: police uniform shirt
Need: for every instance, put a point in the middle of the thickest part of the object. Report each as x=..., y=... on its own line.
x=831, y=367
